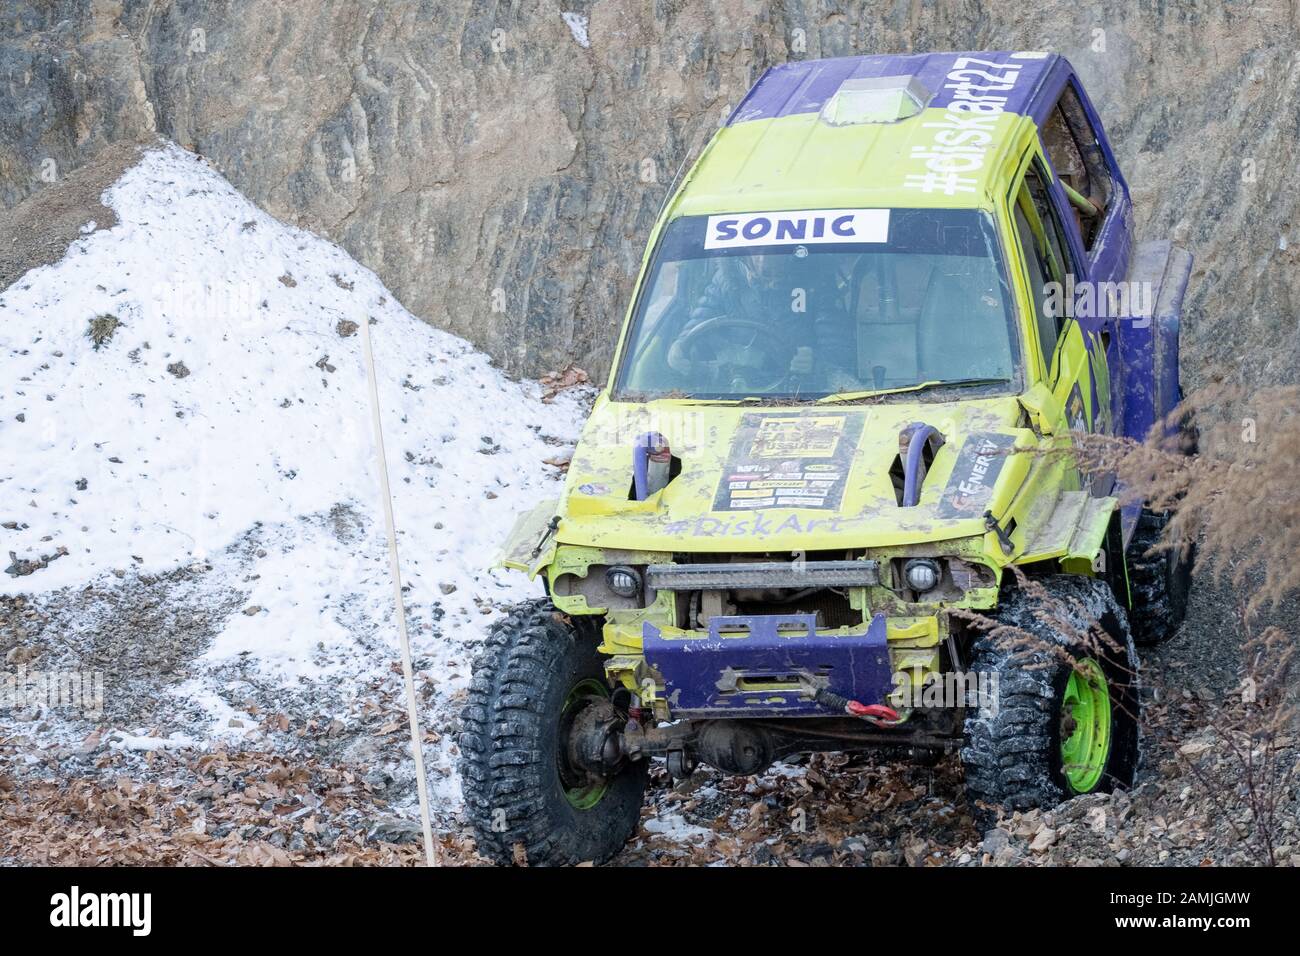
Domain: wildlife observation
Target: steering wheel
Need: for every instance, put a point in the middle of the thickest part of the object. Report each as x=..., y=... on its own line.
x=748, y=338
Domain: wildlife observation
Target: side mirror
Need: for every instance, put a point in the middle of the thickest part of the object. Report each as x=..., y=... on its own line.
x=1044, y=408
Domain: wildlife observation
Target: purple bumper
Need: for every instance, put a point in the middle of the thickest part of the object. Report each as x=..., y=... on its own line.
x=716, y=674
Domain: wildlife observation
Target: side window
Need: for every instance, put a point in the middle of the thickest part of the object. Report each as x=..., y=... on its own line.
x=1046, y=255
x=1039, y=268
x=1072, y=146
x=1062, y=261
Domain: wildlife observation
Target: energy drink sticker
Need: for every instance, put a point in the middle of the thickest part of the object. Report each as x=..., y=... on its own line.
x=970, y=487
x=1075, y=412
x=788, y=461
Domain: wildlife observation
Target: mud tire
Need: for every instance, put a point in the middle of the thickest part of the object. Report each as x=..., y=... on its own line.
x=1159, y=582
x=511, y=746
x=1012, y=752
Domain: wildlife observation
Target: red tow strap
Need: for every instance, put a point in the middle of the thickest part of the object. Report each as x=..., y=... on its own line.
x=878, y=711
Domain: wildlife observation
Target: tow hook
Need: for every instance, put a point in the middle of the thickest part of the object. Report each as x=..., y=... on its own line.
x=877, y=714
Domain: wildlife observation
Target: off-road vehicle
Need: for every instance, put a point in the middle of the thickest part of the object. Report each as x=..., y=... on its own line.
x=835, y=451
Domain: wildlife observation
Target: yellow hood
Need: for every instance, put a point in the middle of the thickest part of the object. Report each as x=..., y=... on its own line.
x=809, y=477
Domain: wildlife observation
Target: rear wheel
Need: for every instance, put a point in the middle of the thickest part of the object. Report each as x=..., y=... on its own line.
x=1159, y=582
x=528, y=795
x=1061, y=715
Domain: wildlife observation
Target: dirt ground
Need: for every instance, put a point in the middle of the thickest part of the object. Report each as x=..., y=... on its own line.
x=325, y=782
x=38, y=231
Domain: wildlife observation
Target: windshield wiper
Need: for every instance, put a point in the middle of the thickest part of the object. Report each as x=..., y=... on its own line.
x=720, y=401
x=938, y=383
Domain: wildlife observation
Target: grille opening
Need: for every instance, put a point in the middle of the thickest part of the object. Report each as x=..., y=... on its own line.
x=830, y=606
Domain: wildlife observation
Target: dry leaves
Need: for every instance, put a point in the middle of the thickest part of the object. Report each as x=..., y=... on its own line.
x=555, y=382
x=213, y=809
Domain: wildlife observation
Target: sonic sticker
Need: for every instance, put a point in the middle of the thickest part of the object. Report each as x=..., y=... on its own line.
x=796, y=228
x=970, y=487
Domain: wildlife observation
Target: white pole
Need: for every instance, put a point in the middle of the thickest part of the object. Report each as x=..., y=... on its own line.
x=408, y=672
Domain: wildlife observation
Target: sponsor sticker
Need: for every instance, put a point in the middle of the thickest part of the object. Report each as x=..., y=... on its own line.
x=970, y=486
x=796, y=228
x=1075, y=411
x=788, y=461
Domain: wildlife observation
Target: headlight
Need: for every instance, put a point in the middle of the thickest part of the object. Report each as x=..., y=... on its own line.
x=921, y=574
x=623, y=581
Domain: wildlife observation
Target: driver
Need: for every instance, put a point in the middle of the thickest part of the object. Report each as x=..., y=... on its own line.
x=767, y=290
x=826, y=366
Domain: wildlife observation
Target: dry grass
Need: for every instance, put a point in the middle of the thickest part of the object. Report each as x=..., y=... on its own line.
x=1236, y=498
x=101, y=329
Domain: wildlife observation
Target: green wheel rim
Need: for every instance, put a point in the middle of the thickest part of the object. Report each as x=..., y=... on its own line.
x=583, y=796
x=1085, y=726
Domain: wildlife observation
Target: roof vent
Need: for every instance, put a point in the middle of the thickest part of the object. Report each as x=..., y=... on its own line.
x=875, y=99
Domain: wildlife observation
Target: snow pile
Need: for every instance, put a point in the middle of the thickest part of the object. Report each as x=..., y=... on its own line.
x=188, y=389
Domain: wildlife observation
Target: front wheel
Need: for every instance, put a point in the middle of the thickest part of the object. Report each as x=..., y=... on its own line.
x=1061, y=714
x=526, y=797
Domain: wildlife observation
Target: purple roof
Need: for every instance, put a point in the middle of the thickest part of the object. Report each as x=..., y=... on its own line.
x=805, y=86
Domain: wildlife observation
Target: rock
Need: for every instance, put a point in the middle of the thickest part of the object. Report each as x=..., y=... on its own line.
x=1044, y=839
x=178, y=369
x=1006, y=856
x=412, y=141
x=21, y=567
x=995, y=840
x=346, y=328
x=914, y=851
x=447, y=587
x=395, y=830
x=762, y=854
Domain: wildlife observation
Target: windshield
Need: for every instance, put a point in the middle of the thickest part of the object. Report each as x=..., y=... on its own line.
x=810, y=304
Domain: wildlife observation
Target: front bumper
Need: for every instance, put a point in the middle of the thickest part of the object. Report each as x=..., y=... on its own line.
x=767, y=665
